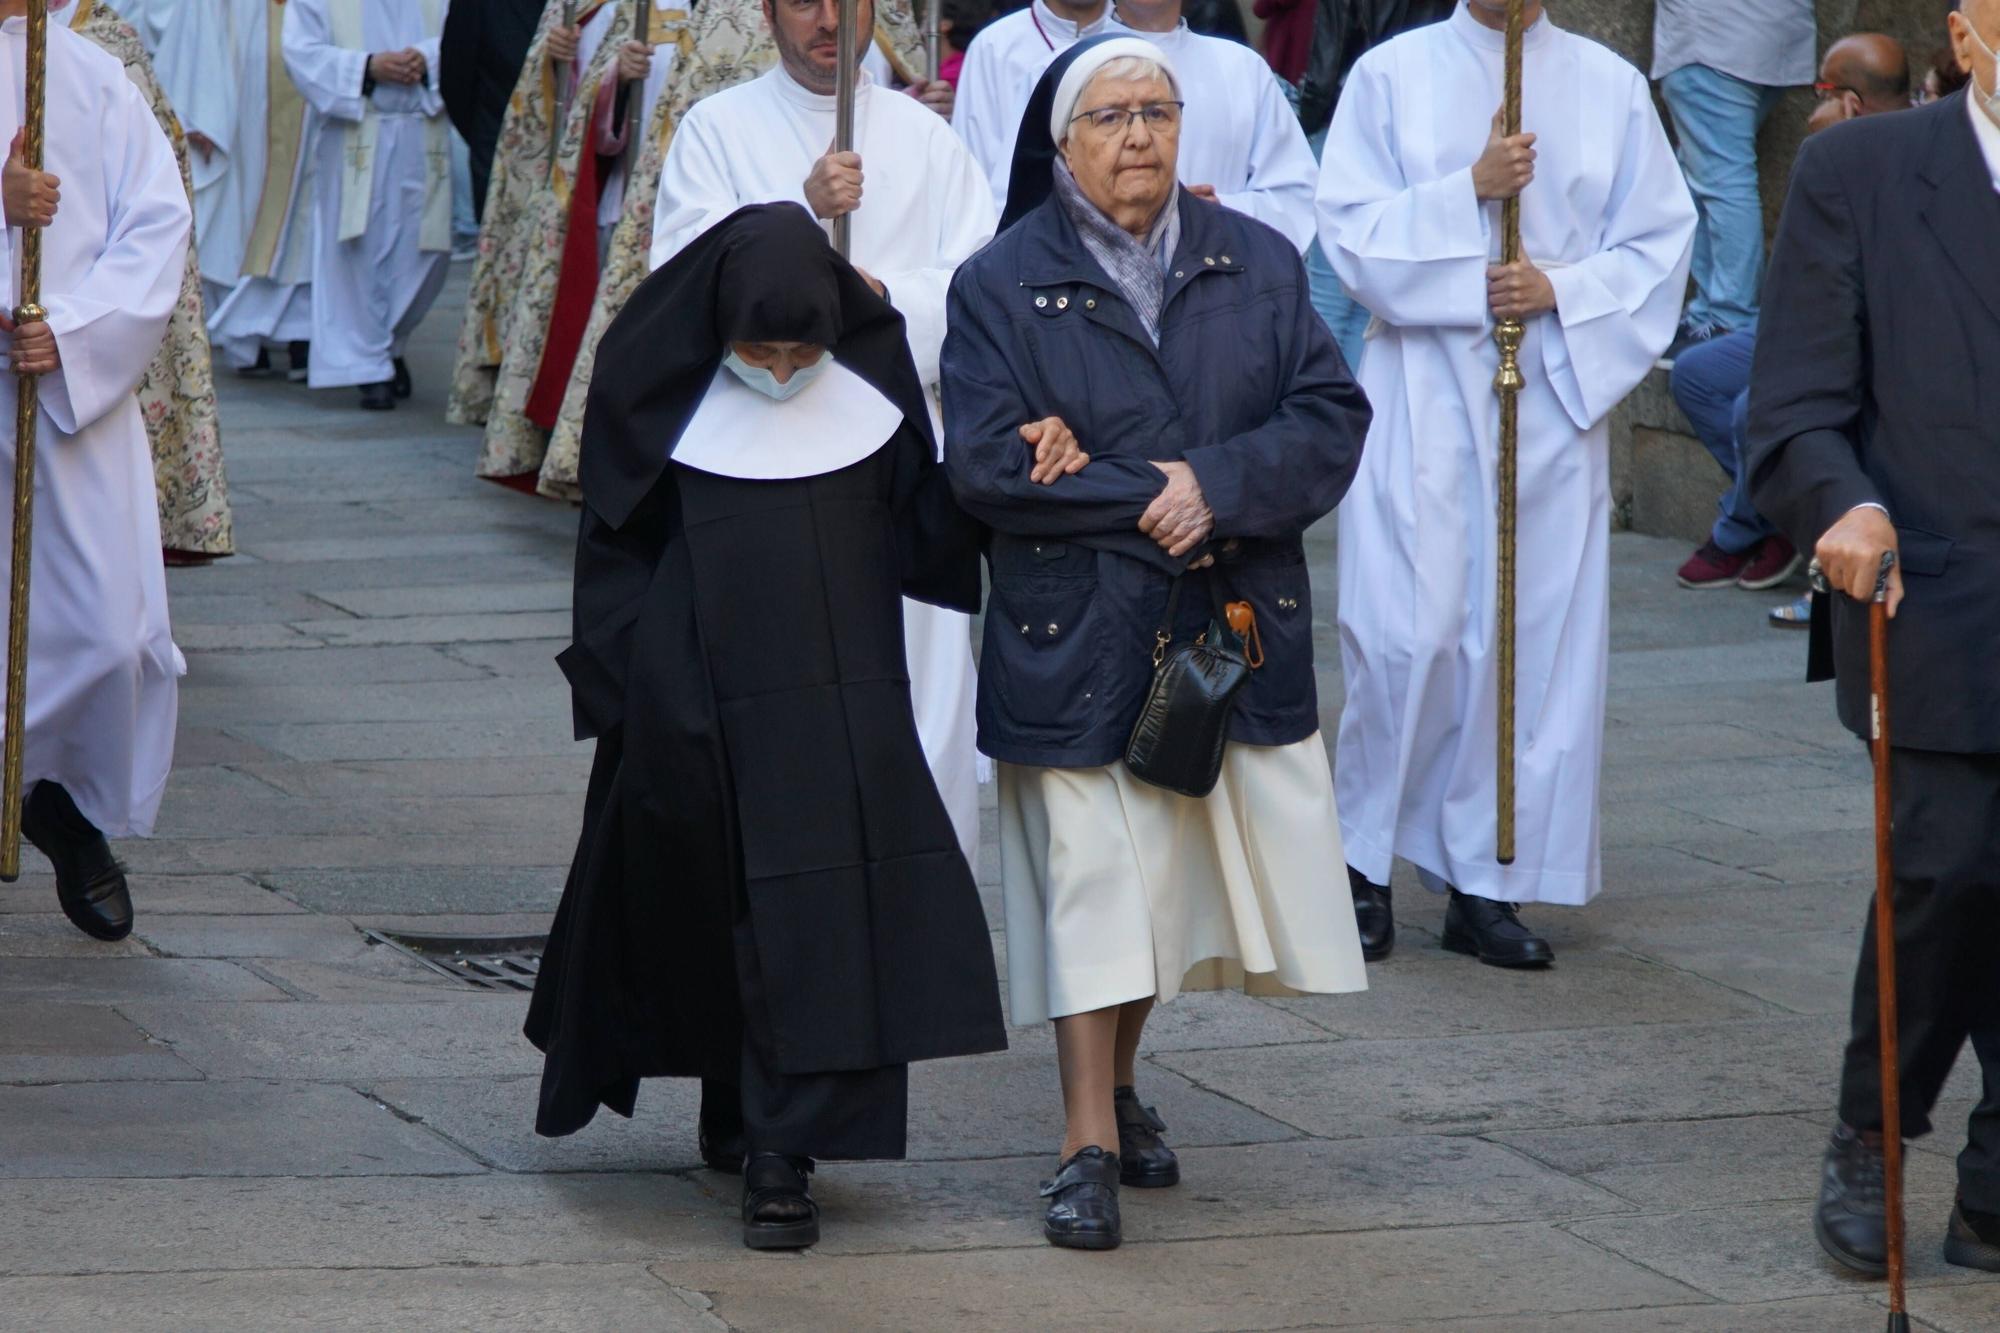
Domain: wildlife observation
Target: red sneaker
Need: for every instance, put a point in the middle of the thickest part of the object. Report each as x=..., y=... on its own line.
x=1772, y=561
x=1712, y=567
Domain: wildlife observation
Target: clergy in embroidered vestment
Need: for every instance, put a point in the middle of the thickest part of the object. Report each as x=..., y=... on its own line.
x=1241, y=144
x=257, y=255
x=177, y=393
x=103, y=672
x=382, y=212
x=1409, y=211
x=923, y=210
x=1001, y=68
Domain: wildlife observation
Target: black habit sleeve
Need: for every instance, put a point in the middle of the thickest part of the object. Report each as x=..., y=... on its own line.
x=938, y=543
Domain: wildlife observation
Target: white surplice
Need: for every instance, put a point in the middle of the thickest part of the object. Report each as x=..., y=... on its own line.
x=381, y=239
x=1239, y=133
x=1609, y=218
x=102, y=667
x=1002, y=66
x=203, y=93
x=638, y=111
x=925, y=209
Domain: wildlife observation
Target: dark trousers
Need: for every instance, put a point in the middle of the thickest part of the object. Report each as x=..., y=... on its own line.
x=1947, y=860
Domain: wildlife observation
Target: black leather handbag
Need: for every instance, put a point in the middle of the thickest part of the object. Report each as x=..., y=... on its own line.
x=1184, y=724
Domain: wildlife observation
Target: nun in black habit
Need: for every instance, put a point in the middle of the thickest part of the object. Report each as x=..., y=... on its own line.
x=768, y=893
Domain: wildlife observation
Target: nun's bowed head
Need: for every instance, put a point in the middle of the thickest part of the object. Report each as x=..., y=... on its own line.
x=1046, y=121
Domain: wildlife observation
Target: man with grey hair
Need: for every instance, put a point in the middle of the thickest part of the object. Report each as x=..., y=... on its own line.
x=1871, y=432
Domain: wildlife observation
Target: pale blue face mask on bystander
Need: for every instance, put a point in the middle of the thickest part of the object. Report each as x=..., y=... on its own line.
x=1989, y=98
x=765, y=382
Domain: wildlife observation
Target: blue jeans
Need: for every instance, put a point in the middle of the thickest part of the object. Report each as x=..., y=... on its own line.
x=1716, y=117
x=1711, y=382
x=1346, y=317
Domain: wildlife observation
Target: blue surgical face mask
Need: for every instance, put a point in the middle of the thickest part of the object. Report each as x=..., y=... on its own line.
x=765, y=382
x=1990, y=99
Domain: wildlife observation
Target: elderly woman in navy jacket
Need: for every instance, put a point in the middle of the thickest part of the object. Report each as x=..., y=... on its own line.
x=1175, y=340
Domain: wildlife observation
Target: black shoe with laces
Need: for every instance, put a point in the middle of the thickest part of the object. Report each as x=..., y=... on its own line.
x=1374, y=915
x=1850, y=1219
x=90, y=884
x=1492, y=932
x=1973, y=1239
x=1083, y=1202
x=778, y=1212
x=1145, y=1162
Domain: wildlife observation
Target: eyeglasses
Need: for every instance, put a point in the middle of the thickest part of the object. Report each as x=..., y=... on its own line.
x=1160, y=117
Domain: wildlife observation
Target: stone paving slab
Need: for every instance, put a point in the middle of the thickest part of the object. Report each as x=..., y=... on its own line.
x=347, y=667
x=450, y=598
x=423, y=888
x=235, y=704
x=356, y=851
x=1802, y=972
x=1214, y=1286
x=535, y=1297
x=414, y=740
x=1837, y=1314
x=161, y=895
x=116, y=980
x=527, y=775
x=79, y=1043
x=322, y=938
x=46, y=933
x=495, y=627
x=1956, y=1309
x=212, y=1128
x=349, y=1042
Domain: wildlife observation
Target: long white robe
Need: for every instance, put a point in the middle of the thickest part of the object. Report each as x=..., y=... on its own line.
x=260, y=286
x=371, y=290
x=924, y=210
x=204, y=97
x=1239, y=133
x=1001, y=68
x=1609, y=218
x=102, y=667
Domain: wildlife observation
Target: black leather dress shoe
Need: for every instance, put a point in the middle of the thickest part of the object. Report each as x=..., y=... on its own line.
x=1083, y=1202
x=261, y=366
x=1145, y=1162
x=1374, y=915
x=90, y=884
x=379, y=397
x=1492, y=932
x=400, y=384
x=1850, y=1220
x=719, y=1132
x=778, y=1213
x=1973, y=1239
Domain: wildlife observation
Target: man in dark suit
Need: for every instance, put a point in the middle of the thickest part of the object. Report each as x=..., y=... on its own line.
x=1875, y=426
x=485, y=43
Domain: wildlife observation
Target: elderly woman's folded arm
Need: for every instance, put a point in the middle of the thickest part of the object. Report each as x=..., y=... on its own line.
x=1277, y=480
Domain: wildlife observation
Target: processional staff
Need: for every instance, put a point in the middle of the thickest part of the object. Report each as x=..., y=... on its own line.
x=27, y=405
x=565, y=89
x=1507, y=383
x=933, y=41
x=849, y=47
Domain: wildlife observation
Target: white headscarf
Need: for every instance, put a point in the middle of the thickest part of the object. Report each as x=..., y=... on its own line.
x=1084, y=68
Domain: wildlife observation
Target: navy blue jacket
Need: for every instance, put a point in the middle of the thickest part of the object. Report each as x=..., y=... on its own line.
x=1246, y=387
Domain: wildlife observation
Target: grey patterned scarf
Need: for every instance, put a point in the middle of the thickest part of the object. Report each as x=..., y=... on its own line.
x=1138, y=267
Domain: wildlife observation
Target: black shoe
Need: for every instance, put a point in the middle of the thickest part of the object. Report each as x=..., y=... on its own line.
x=719, y=1133
x=378, y=397
x=1493, y=933
x=90, y=884
x=1850, y=1220
x=1144, y=1161
x=778, y=1213
x=400, y=385
x=1083, y=1202
x=1973, y=1239
x=261, y=366
x=299, y=353
x=1374, y=914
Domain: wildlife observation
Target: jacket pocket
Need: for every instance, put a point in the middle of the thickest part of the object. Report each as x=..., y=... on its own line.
x=1047, y=664
x=1921, y=552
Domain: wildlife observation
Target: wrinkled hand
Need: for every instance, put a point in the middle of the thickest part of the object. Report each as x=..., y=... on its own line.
x=202, y=144
x=563, y=44
x=635, y=62
x=1057, y=453
x=405, y=66
x=1203, y=192
x=1519, y=290
x=1179, y=518
x=834, y=187
x=874, y=283
x=31, y=196
x=936, y=94
x=1506, y=167
x=34, y=350
x=1850, y=555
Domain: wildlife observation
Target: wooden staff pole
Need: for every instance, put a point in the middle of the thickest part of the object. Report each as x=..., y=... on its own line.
x=1885, y=941
x=1507, y=384
x=27, y=405
x=843, y=106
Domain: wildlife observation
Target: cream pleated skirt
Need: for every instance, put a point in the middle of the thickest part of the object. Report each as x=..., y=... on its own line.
x=1115, y=889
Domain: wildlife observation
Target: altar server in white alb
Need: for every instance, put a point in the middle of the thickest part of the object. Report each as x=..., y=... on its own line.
x=1241, y=144
x=1001, y=68
x=924, y=209
x=1409, y=211
x=382, y=224
x=103, y=672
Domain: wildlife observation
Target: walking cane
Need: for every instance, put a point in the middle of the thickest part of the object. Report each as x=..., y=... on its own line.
x=1885, y=939
x=849, y=45
x=1507, y=383
x=27, y=403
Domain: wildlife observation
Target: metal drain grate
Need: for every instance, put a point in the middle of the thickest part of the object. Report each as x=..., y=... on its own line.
x=490, y=962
